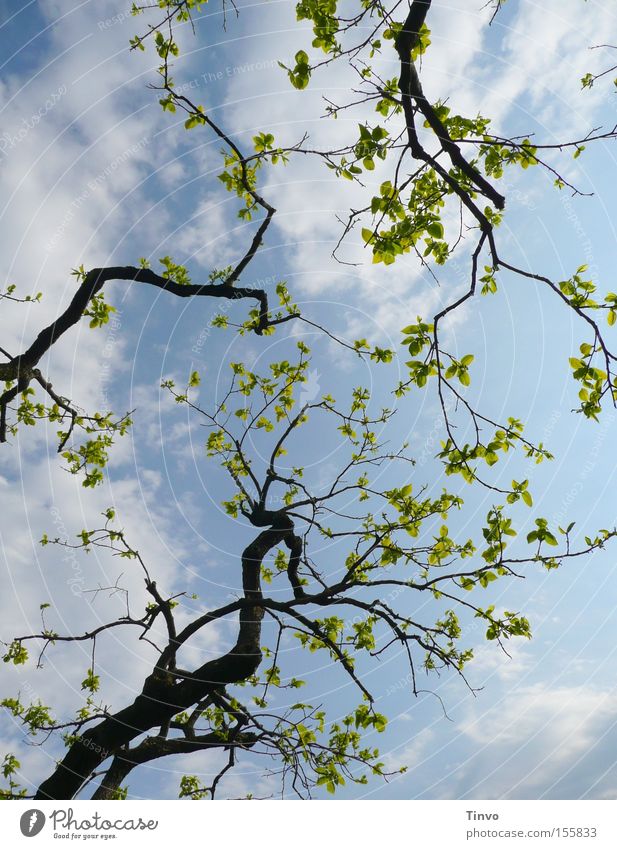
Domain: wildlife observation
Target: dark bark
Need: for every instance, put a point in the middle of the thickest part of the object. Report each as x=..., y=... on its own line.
x=413, y=99
x=159, y=747
x=22, y=367
x=161, y=698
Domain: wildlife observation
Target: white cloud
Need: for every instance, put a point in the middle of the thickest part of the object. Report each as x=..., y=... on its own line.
x=540, y=741
x=86, y=177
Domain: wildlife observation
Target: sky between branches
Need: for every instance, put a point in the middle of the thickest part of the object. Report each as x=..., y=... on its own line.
x=103, y=176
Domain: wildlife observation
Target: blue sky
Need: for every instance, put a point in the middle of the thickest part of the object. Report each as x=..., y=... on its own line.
x=104, y=177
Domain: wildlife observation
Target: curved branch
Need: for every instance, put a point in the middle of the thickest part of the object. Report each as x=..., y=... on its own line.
x=161, y=698
x=22, y=368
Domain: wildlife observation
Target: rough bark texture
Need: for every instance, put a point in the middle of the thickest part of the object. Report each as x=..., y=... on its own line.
x=161, y=698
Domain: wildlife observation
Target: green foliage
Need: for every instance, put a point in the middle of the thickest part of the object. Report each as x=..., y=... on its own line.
x=35, y=717
x=98, y=311
x=91, y=458
x=10, y=294
x=195, y=119
x=16, y=653
x=323, y=15
x=10, y=766
x=405, y=535
x=91, y=682
x=422, y=44
x=542, y=534
x=192, y=788
x=175, y=272
x=496, y=157
x=415, y=218
x=263, y=142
